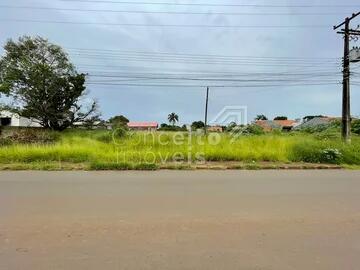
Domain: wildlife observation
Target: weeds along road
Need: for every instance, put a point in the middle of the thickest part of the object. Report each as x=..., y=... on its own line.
x=180, y=220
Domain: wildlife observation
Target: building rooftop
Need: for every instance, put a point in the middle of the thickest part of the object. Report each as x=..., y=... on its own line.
x=142, y=125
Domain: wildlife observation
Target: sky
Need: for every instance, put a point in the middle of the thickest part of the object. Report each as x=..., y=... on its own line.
x=275, y=60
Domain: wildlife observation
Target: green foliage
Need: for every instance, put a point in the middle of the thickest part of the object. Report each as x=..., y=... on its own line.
x=5, y=142
x=197, y=125
x=230, y=127
x=310, y=117
x=324, y=130
x=260, y=117
x=93, y=122
x=281, y=118
x=119, y=121
x=42, y=83
x=30, y=136
x=328, y=134
x=173, y=118
x=248, y=130
x=120, y=132
x=355, y=126
x=166, y=127
x=97, y=147
x=98, y=166
x=330, y=155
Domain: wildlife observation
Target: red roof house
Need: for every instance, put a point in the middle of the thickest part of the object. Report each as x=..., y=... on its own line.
x=144, y=126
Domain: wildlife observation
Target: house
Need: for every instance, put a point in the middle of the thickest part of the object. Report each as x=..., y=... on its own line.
x=317, y=122
x=218, y=129
x=270, y=125
x=9, y=119
x=143, y=126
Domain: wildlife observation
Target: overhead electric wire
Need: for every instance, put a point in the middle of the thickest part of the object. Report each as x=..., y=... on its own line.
x=214, y=86
x=211, y=4
x=165, y=25
x=207, y=62
x=173, y=12
x=192, y=55
x=199, y=57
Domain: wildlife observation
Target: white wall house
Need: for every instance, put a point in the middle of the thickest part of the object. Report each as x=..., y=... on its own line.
x=13, y=120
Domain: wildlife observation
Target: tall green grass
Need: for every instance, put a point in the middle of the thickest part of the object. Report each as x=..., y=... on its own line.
x=101, y=147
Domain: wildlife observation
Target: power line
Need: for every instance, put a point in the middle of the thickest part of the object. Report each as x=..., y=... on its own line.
x=200, y=55
x=167, y=25
x=204, y=85
x=172, y=12
x=211, y=5
x=204, y=61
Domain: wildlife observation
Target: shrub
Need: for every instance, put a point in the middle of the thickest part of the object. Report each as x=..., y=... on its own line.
x=248, y=130
x=112, y=136
x=106, y=137
x=328, y=134
x=32, y=136
x=355, y=127
x=305, y=152
x=120, y=132
x=330, y=155
x=99, y=166
x=315, y=153
x=5, y=142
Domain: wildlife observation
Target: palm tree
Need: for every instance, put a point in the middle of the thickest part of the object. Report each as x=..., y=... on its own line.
x=173, y=118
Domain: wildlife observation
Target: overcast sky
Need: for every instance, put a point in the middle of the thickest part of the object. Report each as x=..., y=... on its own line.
x=318, y=49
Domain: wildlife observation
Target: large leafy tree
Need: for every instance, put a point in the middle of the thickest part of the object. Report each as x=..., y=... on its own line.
x=173, y=118
x=42, y=83
x=119, y=121
x=198, y=125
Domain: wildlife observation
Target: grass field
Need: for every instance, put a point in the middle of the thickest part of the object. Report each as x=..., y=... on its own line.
x=80, y=149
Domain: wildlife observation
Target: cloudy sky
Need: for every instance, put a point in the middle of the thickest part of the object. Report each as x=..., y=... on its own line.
x=146, y=60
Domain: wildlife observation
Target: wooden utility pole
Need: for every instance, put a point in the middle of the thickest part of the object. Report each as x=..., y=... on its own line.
x=346, y=116
x=346, y=121
x=206, y=108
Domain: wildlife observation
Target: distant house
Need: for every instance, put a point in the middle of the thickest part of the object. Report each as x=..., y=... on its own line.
x=218, y=129
x=143, y=126
x=316, y=122
x=9, y=119
x=270, y=125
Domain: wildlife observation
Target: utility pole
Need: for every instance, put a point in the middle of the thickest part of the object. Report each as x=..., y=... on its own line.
x=346, y=116
x=206, y=109
x=346, y=121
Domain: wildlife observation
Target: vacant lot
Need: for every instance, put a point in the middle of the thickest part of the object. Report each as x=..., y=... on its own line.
x=273, y=220
x=110, y=150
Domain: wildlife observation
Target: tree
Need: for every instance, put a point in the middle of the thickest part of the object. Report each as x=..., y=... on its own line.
x=310, y=117
x=42, y=84
x=355, y=126
x=93, y=122
x=280, y=118
x=119, y=121
x=231, y=126
x=173, y=118
x=198, y=125
x=166, y=127
x=261, y=117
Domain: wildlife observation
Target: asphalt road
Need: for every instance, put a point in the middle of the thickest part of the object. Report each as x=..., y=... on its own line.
x=180, y=220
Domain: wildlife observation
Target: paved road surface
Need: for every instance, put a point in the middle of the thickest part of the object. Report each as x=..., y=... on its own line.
x=180, y=220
